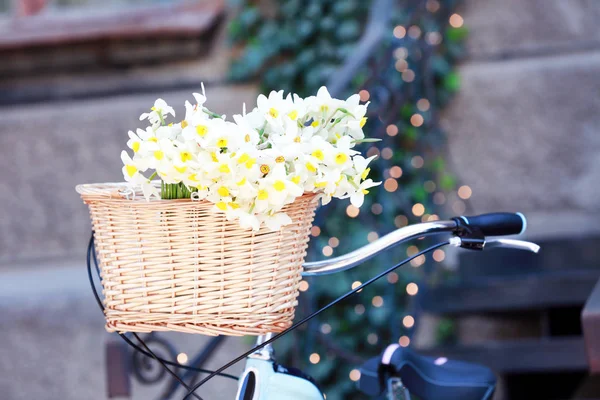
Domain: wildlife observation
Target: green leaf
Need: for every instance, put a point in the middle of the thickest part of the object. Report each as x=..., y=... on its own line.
x=452, y=82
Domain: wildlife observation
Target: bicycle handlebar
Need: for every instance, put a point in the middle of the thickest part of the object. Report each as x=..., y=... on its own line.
x=494, y=224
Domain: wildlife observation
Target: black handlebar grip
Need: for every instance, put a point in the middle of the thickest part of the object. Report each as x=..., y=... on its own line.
x=497, y=224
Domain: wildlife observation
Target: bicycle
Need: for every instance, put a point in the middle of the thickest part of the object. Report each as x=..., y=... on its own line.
x=398, y=371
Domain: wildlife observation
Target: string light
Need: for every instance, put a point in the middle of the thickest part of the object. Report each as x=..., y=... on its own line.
x=396, y=172
x=464, y=192
x=408, y=321
x=412, y=250
x=400, y=221
x=334, y=242
x=352, y=211
x=182, y=358
x=408, y=75
x=400, y=52
x=315, y=231
x=327, y=251
x=391, y=130
x=417, y=161
x=423, y=105
x=356, y=284
x=314, y=358
x=433, y=38
x=399, y=31
x=417, y=262
x=376, y=208
x=372, y=236
x=439, y=198
x=439, y=255
x=459, y=207
x=401, y=65
x=414, y=32
x=373, y=151
x=392, y=277
x=326, y=329
x=387, y=153
x=418, y=209
x=429, y=186
x=404, y=341
x=364, y=95
x=354, y=375
x=412, y=289
x=359, y=309
x=433, y=217
x=391, y=185
x=456, y=21
x=377, y=301
x=303, y=286
x=372, y=338
x=432, y=5
x=416, y=120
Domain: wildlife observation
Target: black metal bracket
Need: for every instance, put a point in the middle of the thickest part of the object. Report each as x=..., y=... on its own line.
x=470, y=237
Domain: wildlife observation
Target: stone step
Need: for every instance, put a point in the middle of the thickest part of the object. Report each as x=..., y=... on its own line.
x=523, y=134
x=50, y=148
x=53, y=339
x=517, y=28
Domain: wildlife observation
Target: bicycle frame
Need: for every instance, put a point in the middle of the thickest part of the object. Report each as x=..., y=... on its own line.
x=271, y=384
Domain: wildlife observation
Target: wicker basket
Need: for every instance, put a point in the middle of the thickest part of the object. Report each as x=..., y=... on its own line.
x=176, y=265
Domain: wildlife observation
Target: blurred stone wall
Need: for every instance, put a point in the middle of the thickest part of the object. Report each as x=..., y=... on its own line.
x=524, y=129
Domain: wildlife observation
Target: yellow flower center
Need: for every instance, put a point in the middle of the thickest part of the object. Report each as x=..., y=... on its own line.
x=221, y=206
x=273, y=112
x=315, y=123
x=193, y=178
x=224, y=168
x=363, y=121
x=310, y=167
x=181, y=170
x=265, y=169
x=341, y=158
x=324, y=108
x=222, y=142
x=250, y=163
x=280, y=159
x=184, y=124
x=241, y=181
x=297, y=139
x=318, y=154
x=158, y=154
x=223, y=191
x=247, y=137
x=321, y=184
x=153, y=139
x=293, y=115
x=213, y=155
x=153, y=108
x=201, y=130
x=263, y=194
x=279, y=185
x=233, y=205
x=365, y=173
x=135, y=146
x=185, y=156
x=243, y=158
x=131, y=170
x=365, y=191
x=296, y=179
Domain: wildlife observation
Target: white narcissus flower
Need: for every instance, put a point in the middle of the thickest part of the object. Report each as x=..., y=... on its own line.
x=251, y=168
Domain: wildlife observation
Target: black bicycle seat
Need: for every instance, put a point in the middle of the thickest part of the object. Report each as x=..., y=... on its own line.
x=427, y=377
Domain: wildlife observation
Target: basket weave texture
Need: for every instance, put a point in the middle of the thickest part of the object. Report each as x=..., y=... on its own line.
x=176, y=265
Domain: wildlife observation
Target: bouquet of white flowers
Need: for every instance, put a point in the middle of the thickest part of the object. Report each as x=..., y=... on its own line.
x=253, y=166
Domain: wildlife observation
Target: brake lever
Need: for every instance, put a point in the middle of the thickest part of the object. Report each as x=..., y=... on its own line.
x=501, y=243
